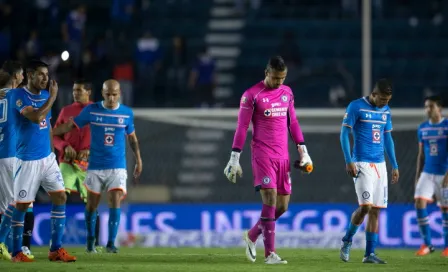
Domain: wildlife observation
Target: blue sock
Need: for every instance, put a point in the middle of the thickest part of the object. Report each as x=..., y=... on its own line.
x=5, y=226
x=17, y=223
x=423, y=223
x=57, y=226
x=90, y=218
x=8, y=241
x=351, y=230
x=371, y=240
x=445, y=227
x=114, y=222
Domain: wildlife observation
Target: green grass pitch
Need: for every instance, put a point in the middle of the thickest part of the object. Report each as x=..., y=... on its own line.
x=228, y=260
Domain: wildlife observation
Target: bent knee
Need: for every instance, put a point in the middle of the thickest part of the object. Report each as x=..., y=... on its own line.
x=59, y=198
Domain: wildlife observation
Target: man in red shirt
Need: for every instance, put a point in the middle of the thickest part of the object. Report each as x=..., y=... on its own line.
x=73, y=147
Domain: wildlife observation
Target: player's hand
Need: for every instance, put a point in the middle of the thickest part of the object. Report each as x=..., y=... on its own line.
x=305, y=164
x=83, y=155
x=351, y=169
x=138, y=171
x=2, y=94
x=395, y=176
x=69, y=153
x=53, y=88
x=233, y=167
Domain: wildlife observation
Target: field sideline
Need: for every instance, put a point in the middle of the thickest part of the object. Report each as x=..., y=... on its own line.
x=216, y=259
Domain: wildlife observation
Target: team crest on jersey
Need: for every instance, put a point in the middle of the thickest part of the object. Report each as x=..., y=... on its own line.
x=376, y=136
x=109, y=139
x=384, y=117
x=267, y=113
x=19, y=103
x=266, y=180
x=365, y=195
x=433, y=149
x=284, y=98
x=243, y=99
x=120, y=120
x=440, y=132
x=43, y=124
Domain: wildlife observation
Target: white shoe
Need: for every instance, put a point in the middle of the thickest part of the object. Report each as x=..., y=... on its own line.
x=251, y=252
x=27, y=252
x=273, y=258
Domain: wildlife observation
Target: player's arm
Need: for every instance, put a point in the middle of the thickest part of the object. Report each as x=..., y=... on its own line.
x=389, y=146
x=133, y=142
x=58, y=141
x=305, y=164
x=79, y=121
x=233, y=167
x=348, y=123
x=37, y=115
x=420, y=159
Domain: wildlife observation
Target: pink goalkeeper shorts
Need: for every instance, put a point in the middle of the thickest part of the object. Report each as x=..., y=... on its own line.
x=272, y=174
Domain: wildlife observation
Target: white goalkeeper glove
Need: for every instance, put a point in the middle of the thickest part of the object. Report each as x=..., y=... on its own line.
x=305, y=164
x=233, y=167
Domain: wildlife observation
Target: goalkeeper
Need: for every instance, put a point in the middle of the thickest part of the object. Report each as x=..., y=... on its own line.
x=73, y=147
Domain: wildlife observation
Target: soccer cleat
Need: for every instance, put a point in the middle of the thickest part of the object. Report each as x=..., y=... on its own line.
x=111, y=249
x=99, y=249
x=61, y=255
x=27, y=252
x=251, y=252
x=273, y=258
x=21, y=258
x=92, y=251
x=373, y=259
x=344, y=253
x=4, y=254
x=444, y=253
x=425, y=250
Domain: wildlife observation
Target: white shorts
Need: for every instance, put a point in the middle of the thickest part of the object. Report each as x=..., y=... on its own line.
x=429, y=185
x=6, y=184
x=110, y=179
x=30, y=175
x=371, y=184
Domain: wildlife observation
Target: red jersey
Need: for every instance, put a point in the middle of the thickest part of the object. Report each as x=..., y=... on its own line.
x=79, y=139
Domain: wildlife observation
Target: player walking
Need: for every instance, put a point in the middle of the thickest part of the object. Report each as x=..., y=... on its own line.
x=35, y=164
x=369, y=119
x=432, y=165
x=110, y=123
x=270, y=106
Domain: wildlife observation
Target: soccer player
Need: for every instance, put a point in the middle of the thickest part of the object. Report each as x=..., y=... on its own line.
x=35, y=164
x=270, y=106
x=73, y=147
x=8, y=81
x=110, y=122
x=432, y=165
x=369, y=119
x=15, y=69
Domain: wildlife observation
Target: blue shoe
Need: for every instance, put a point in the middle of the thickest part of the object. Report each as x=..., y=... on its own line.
x=373, y=259
x=344, y=253
x=111, y=249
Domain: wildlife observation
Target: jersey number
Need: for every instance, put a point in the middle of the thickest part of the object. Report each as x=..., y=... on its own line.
x=3, y=111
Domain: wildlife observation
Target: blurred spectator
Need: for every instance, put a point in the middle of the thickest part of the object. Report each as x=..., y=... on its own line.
x=53, y=60
x=240, y=5
x=148, y=57
x=5, y=45
x=73, y=33
x=202, y=79
x=46, y=12
x=290, y=51
x=32, y=46
x=124, y=74
x=176, y=68
x=122, y=13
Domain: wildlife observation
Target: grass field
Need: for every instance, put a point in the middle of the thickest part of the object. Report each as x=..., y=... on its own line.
x=194, y=259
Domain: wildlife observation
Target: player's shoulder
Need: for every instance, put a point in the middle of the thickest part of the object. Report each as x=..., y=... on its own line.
x=424, y=124
x=125, y=110
x=287, y=89
x=255, y=89
x=445, y=122
x=358, y=104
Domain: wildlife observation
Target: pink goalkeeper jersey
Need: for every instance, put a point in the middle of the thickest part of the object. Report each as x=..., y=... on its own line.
x=273, y=115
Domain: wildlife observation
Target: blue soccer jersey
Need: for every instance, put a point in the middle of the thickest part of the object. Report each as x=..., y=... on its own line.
x=7, y=127
x=368, y=124
x=108, y=130
x=33, y=140
x=434, y=138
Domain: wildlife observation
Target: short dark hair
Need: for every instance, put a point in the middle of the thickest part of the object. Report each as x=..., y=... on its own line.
x=436, y=99
x=383, y=86
x=5, y=78
x=12, y=67
x=86, y=83
x=276, y=63
x=32, y=65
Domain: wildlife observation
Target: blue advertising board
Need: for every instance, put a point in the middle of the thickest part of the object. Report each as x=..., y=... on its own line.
x=397, y=225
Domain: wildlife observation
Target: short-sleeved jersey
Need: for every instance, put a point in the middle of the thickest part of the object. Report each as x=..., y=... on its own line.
x=108, y=131
x=33, y=140
x=272, y=109
x=7, y=127
x=434, y=138
x=368, y=124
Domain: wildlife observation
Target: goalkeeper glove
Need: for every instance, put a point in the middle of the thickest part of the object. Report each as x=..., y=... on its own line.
x=305, y=164
x=233, y=167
